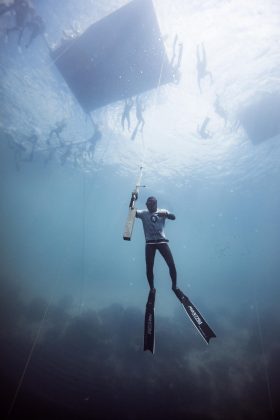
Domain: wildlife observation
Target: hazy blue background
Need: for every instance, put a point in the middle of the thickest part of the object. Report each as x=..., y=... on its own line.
x=73, y=293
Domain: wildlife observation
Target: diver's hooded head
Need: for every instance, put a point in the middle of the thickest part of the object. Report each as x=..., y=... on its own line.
x=151, y=204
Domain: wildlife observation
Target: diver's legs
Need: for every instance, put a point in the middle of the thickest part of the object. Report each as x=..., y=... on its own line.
x=167, y=255
x=150, y=252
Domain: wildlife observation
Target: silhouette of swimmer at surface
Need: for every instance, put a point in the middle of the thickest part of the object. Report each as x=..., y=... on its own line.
x=139, y=117
x=126, y=113
x=202, y=131
x=67, y=152
x=220, y=110
x=33, y=141
x=176, y=67
x=57, y=130
x=174, y=50
x=93, y=140
x=22, y=9
x=201, y=66
x=25, y=149
x=35, y=26
x=25, y=18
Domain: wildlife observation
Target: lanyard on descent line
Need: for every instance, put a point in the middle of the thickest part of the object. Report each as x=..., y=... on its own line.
x=132, y=210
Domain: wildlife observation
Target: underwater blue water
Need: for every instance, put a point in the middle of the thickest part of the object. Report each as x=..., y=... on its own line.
x=73, y=292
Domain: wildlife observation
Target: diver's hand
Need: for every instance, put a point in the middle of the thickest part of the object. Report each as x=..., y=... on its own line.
x=170, y=216
x=162, y=214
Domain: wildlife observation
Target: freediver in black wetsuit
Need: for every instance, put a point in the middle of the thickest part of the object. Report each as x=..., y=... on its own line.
x=153, y=221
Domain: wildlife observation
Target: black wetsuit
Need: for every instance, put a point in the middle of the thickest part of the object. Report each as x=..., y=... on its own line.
x=153, y=224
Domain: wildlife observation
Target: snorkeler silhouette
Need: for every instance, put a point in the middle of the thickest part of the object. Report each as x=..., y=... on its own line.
x=25, y=19
x=179, y=60
x=67, y=151
x=33, y=141
x=220, y=110
x=175, y=67
x=23, y=10
x=97, y=135
x=126, y=113
x=201, y=66
x=24, y=149
x=36, y=27
x=57, y=130
x=202, y=131
x=19, y=154
x=139, y=117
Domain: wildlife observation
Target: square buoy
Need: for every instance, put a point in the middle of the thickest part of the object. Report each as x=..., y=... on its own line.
x=118, y=57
